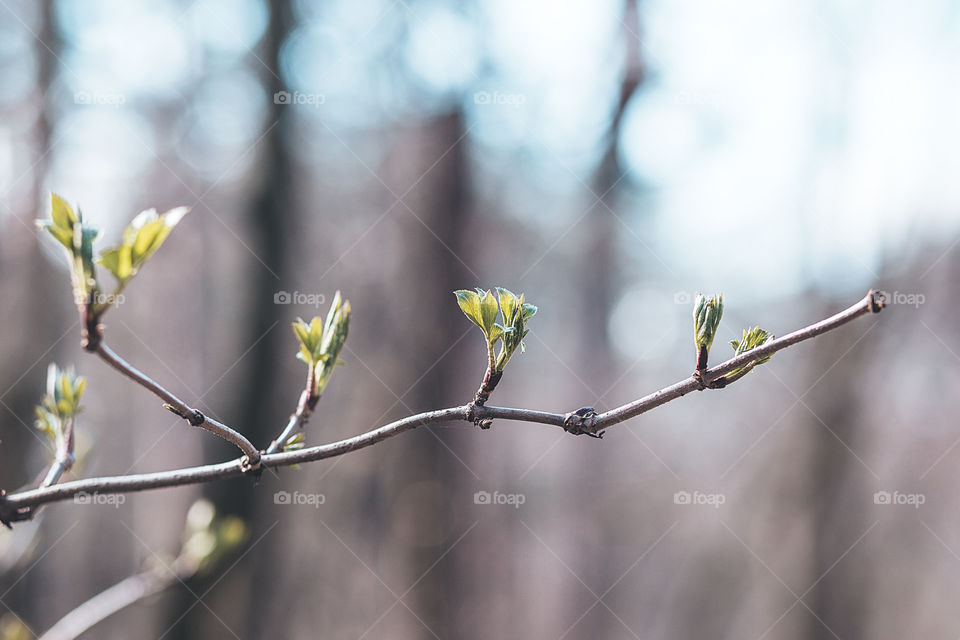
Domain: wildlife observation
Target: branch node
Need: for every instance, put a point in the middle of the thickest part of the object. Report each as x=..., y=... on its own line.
x=698, y=377
x=248, y=466
x=471, y=416
x=196, y=419
x=878, y=300
x=581, y=422
x=91, y=336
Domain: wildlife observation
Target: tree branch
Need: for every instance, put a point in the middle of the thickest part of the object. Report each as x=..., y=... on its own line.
x=298, y=420
x=19, y=506
x=176, y=405
x=64, y=459
x=108, y=602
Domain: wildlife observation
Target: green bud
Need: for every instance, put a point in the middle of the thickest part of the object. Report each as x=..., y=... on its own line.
x=751, y=339
x=60, y=403
x=707, y=313
x=515, y=314
x=321, y=341
x=67, y=227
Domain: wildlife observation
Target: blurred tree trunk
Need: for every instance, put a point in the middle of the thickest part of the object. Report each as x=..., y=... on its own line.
x=30, y=314
x=429, y=477
x=271, y=218
x=34, y=274
x=598, y=283
x=842, y=598
x=598, y=266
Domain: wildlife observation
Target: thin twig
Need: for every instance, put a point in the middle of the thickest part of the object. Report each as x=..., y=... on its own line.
x=108, y=602
x=299, y=418
x=64, y=459
x=176, y=405
x=872, y=302
x=19, y=506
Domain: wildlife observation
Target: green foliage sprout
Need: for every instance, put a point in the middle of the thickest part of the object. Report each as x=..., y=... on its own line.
x=60, y=404
x=751, y=339
x=321, y=341
x=481, y=307
x=140, y=240
x=67, y=227
x=707, y=313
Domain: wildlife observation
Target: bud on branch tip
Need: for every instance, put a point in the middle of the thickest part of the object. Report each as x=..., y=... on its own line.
x=751, y=339
x=706, y=319
x=140, y=240
x=481, y=308
x=60, y=404
x=321, y=341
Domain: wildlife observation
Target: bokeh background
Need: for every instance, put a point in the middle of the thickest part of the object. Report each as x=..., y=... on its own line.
x=609, y=159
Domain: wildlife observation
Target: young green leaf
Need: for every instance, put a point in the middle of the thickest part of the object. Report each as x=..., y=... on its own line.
x=469, y=302
x=60, y=403
x=140, y=240
x=61, y=212
x=516, y=313
x=751, y=339
x=302, y=330
x=508, y=303
x=66, y=226
x=488, y=311
x=321, y=341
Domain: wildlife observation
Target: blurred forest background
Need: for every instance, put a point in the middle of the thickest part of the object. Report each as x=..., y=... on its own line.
x=608, y=158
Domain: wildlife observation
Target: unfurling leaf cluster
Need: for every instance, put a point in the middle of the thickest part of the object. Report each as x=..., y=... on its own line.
x=67, y=227
x=481, y=307
x=60, y=404
x=707, y=312
x=751, y=339
x=321, y=341
x=140, y=240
